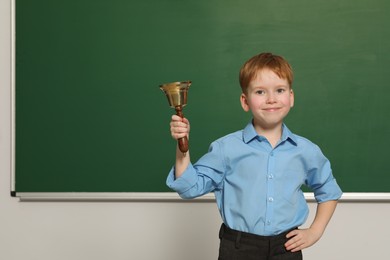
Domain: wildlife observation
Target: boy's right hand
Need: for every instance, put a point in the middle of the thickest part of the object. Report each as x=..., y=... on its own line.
x=180, y=127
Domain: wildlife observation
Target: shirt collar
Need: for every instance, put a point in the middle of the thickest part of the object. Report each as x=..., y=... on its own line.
x=250, y=133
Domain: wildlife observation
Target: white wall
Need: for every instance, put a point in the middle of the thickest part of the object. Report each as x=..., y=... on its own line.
x=144, y=231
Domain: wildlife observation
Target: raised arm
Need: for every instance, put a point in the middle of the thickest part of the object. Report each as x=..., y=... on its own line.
x=180, y=127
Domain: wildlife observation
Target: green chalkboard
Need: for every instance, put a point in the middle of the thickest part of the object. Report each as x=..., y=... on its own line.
x=90, y=117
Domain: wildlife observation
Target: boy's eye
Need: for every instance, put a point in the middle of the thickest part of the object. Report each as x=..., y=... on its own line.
x=281, y=90
x=260, y=92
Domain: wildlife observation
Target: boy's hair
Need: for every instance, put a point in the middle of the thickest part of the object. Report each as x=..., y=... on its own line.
x=275, y=63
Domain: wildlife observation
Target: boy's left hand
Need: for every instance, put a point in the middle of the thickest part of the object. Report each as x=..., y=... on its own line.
x=301, y=238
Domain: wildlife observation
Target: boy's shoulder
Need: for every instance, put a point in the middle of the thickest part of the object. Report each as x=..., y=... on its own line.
x=304, y=143
x=231, y=137
x=303, y=140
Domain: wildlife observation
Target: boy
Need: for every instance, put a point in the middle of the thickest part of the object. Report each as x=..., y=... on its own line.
x=256, y=173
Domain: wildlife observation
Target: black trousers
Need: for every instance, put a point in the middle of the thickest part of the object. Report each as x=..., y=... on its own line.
x=236, y=245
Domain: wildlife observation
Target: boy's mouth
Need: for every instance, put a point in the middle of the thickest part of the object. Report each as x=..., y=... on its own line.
x=271, y=109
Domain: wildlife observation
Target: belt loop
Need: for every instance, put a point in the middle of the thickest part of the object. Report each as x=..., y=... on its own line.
x=238, y=238
x=221, y=231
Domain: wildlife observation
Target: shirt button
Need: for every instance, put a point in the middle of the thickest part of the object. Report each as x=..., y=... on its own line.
x=270, y=176
x=268, y=222
x=270, y=199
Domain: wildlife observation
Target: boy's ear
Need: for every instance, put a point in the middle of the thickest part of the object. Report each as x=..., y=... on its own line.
x=244, y=102
x=291, y=98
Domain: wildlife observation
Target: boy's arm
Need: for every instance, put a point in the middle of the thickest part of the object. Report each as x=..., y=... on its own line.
x=182, y=162
x=180, y=127
x=303, y=238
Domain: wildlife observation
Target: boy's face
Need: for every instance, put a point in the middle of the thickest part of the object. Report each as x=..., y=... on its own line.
x=270, y=98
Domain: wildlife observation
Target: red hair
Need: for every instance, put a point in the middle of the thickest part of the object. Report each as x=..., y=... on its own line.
x=275, y=63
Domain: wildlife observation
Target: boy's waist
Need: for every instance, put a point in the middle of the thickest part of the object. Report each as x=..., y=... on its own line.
x=233, y=235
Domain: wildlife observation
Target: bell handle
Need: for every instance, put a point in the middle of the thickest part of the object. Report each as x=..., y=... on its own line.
x=182, y=142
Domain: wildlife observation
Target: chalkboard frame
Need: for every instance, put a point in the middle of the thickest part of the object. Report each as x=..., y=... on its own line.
x=125, y=196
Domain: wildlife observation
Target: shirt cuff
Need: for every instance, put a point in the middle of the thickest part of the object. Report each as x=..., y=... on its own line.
x=329, y=191
x=185, y=182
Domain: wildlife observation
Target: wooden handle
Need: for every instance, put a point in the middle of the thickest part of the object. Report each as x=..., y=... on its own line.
x=182, y=142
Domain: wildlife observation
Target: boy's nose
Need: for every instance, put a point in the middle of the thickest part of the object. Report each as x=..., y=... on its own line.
x=271, y=98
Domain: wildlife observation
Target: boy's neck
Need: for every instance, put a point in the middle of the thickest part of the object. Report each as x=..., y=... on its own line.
x=272, y=134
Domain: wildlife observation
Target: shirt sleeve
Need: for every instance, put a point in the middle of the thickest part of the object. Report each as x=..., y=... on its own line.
x=203, y=177
x=320, y=178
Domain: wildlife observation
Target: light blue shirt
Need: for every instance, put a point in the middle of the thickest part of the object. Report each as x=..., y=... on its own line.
x=257, y=187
